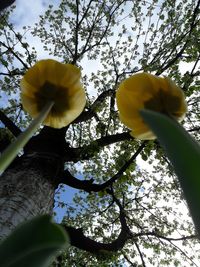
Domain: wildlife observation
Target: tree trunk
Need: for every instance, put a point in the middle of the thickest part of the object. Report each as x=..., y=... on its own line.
x=27, y=189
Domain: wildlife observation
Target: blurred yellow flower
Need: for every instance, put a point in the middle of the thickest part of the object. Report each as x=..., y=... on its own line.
x=49, y=80
x=146, y=91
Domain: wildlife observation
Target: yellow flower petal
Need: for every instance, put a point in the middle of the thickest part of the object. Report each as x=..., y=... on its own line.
x=50, y=80
x=144, y=90
x=145, y=135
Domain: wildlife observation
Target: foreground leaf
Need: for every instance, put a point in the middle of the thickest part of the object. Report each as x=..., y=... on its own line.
x=184, y=153
x=33, y=244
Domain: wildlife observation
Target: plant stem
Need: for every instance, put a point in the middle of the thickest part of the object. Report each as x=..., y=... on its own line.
x=12, y=150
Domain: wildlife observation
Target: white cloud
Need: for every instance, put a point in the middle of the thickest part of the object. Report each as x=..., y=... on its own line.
x=27, y=12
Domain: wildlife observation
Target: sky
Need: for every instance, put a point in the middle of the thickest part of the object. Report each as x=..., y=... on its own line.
x=27, y=12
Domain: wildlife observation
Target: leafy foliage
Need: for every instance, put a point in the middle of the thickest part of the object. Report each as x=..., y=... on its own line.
x=110, y=41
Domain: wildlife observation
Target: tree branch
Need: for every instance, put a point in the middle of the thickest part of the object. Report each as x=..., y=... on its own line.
x=76, y=39
x=89, y=186
x=87, y=115
x=195, y=129
x=5, y=3
x=9, y=124
x=164, y=237
x=88, y=151
x=189, y=32
x=14, y=54
x=79, y=240
x=140, y=253
x=129, y=261
x=49, y=140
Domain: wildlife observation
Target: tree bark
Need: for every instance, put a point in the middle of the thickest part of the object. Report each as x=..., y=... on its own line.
x=27, y=189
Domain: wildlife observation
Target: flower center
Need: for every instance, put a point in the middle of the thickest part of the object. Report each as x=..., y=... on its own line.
x=164, y=102
x=52, y=92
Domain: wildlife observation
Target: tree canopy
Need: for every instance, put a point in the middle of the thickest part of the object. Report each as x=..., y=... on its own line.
x=129, y=208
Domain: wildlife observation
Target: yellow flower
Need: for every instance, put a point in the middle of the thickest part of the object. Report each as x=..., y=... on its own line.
x=146, y=91
x=49, y=80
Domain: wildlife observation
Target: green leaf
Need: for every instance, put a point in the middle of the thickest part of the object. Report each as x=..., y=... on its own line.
x=33, y=243
x=184, y=153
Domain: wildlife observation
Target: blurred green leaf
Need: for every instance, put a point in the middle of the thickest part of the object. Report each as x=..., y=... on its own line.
x=33, y=243
x=184, y=153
